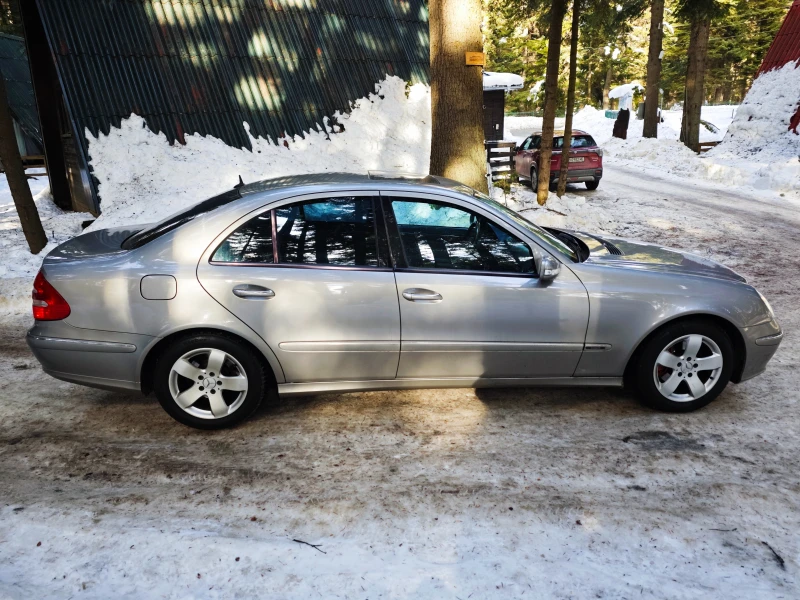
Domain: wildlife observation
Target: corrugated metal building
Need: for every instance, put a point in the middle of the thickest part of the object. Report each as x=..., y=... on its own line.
x=207, y=66
x=17, y=75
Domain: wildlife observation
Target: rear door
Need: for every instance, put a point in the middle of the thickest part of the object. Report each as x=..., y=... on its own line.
x=471, y=303
x=312, y=278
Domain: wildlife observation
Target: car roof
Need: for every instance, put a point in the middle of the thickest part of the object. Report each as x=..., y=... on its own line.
x=560, y=132
x=370, y=180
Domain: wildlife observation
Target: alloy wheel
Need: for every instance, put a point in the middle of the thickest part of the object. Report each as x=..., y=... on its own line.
x=688, y=368
x=208, y=383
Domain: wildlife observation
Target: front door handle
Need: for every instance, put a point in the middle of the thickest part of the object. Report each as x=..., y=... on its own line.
x=421, y=295
x=253, y=292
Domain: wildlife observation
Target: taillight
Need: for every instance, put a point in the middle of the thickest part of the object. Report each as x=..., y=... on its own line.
x=48, y=304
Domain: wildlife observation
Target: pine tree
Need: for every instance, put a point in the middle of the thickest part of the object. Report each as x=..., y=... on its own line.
x=700, y=14
x=654, y=69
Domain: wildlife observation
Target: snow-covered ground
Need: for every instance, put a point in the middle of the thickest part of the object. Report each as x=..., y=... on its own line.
x=428, y=494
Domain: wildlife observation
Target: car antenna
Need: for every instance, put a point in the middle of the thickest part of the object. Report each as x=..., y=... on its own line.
x=240, y=184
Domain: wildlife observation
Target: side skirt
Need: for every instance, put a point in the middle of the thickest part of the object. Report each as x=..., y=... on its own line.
x=321, y=387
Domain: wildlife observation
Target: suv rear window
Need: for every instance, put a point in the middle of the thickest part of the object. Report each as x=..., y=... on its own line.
x=145, y=236
x=578, y=141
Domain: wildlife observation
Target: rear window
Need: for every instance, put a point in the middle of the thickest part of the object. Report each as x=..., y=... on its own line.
x=578, y=141
x=145, y=236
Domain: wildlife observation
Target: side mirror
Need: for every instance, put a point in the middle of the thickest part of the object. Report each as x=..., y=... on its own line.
x=549, y=268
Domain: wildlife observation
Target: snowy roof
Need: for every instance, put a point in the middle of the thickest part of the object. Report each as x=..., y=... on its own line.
x=502, y=81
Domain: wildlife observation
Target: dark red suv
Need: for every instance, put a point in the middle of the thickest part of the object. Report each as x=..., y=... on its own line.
x=585, y=159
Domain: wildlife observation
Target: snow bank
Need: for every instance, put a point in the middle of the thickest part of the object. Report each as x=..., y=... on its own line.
x=759, y=150
x=570, y=212
x=144, y=179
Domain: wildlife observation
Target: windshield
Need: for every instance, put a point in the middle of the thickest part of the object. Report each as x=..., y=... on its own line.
x=532, y=228
x=148, y=235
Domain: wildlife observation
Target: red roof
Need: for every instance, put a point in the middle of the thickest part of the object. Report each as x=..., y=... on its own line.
x=786, y=47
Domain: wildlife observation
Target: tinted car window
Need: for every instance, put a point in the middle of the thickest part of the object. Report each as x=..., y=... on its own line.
x=578, y=141
x=439, y=236
x=250, y=243
x=336, y=231
x=148, y=235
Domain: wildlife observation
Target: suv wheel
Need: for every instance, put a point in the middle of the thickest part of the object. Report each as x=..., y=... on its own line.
x=534, y=179
x=593, y=185
x=209, y=381
x=685, y=366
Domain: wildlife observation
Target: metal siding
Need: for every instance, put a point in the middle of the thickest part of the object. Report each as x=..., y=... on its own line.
x=180, y=63
x=786, y=47
x=17, y=74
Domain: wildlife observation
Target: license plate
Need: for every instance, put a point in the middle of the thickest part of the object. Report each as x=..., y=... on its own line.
x=577, y=159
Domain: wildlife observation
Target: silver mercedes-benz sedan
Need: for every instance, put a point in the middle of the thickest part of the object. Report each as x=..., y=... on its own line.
x=340, y=282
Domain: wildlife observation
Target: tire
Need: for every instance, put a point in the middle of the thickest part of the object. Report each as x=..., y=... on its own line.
x=534, y=179
x=593, y=185
x=694, y=384
x=216, y=401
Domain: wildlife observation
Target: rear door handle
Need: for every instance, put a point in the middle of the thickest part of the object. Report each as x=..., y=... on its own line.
x=253, y=292
x=421, y=295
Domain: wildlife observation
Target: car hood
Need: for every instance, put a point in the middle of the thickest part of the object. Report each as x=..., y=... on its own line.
x=652, y=257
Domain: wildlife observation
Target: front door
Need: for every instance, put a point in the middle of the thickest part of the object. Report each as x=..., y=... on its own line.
x=312, y=278
x=471, y=304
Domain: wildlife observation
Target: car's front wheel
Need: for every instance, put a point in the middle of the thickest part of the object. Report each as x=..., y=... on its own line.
x=209, y=381
x=685, y=366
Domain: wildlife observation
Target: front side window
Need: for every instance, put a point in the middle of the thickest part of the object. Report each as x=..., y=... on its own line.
x=334, y=231
x=440, y=236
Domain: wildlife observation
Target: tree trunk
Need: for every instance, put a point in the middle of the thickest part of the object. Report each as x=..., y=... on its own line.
x=457, y=149
x=654, y=69
x=695, y=80
x=550, y=98
x=573, y=74
x=17, y=182
x=607, y=86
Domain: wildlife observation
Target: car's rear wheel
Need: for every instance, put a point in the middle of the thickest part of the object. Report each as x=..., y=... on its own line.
x=209, y=381
x=685, y=366
x=593, y=185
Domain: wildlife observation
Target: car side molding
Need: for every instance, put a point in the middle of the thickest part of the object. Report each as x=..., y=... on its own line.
x=318, y=387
